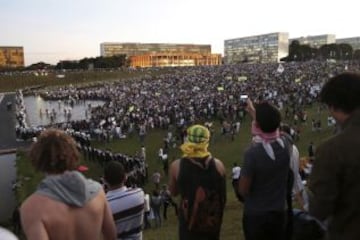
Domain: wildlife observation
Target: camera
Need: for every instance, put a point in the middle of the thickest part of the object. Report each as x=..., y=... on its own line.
x=243, y=100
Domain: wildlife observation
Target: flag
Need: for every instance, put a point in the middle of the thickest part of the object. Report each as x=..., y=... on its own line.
x=220, y=88
x=280, y=68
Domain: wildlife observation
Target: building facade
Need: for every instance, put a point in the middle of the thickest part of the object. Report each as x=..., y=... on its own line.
x=266, y=48
x=162, y=54
x=11, y=57
x=175, y=59
x=353, y=41
x=315, y=41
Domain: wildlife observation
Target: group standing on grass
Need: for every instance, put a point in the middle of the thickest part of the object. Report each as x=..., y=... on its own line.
x=66, y=205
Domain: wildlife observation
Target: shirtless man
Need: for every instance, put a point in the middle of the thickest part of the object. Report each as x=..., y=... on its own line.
x=65, y=205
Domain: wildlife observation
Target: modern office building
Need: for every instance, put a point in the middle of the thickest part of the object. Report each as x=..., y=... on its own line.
x=353, y=41
x=266, y=48
x=11, y=57
x=175, y=59
x=315, y=41
x=162, y=54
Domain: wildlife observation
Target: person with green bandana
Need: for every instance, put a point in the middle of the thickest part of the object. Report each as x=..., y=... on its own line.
x=200, y=180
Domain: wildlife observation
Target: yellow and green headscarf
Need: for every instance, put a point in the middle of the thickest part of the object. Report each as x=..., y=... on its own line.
x=197, y=142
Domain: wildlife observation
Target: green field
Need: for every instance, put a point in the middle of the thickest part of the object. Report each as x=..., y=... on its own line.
x=222, y=147
x=29, y=79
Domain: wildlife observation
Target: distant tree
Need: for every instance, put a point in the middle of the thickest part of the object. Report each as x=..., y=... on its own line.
x=39, y=66
x=345, y=51
x=98, y=62
x=294, y=51
x=356, y=55
x=324, y=51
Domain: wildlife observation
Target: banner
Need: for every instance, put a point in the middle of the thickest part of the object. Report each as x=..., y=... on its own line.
x=220, y=89
x=242, y=78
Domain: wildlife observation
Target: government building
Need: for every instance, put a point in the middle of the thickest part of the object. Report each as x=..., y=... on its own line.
x=11, y=57
x=162, y=54
x=266, y=48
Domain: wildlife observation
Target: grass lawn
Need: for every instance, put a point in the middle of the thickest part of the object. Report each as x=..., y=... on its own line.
x=221, y=147
x=25, y=80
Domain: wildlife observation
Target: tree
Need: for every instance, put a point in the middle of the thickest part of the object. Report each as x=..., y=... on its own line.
x=39, y=66
x=345, y=51
x=356, y=55
x=294, y=50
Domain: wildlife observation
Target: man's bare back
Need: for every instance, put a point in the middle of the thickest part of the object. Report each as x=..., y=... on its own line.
x=66, y=204
x=45, y=218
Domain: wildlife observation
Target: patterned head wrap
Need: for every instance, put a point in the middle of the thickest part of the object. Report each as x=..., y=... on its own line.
x=197, y=142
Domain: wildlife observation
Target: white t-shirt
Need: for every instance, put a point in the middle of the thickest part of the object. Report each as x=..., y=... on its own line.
x=236, y=172
x=6, y=235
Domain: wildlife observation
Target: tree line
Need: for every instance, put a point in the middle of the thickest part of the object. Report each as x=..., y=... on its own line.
x=304, y=52
x=117, y=61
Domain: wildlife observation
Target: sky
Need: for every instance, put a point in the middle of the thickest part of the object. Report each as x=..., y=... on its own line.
x=53, y=30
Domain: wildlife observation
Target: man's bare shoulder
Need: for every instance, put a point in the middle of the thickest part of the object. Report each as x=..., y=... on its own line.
x=220, y=166
x=35, y=202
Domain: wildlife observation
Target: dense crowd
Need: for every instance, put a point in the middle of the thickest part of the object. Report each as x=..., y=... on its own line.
x=191, y=94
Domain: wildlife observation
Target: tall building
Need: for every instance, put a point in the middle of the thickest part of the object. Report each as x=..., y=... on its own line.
x=11, y=57
x=315, y=41
x=266, y=48
x=162, y=54
x=353, y=41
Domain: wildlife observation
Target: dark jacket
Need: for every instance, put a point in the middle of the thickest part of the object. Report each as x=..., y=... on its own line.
x=335, y=182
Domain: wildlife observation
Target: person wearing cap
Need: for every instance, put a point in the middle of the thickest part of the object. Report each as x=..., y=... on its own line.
x=65, y=205
x=200, y=180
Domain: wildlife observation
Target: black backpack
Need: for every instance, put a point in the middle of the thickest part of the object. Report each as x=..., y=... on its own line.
x=207, y=206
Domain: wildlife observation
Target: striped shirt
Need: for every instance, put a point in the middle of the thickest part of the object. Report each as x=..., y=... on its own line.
x=127, y=206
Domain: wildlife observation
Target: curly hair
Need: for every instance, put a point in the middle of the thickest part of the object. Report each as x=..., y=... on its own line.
x=54, y=152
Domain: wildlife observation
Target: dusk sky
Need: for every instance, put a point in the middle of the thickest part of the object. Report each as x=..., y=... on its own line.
x=53, y=30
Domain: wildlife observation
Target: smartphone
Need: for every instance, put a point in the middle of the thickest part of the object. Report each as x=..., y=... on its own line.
x=243, y=100
x=243, y=96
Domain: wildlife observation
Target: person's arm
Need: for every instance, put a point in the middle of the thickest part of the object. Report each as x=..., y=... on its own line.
x=246, y=175
x=221, y=169
x=323, y=183
x=250, y=108
x=244, y=185
x=108, y=226
x=298, y=186
x=31, y=221
x=173, y=172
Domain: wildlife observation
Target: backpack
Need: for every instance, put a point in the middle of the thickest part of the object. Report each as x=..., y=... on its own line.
x=204, y=216
x=207, y=216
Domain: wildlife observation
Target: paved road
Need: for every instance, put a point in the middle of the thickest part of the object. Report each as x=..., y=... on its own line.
x=7, y=124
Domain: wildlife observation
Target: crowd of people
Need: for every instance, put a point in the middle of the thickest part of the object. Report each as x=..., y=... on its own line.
x=203, y=94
